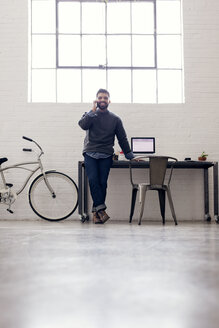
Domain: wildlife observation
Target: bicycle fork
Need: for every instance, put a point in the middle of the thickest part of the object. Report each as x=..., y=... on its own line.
x=48, y=184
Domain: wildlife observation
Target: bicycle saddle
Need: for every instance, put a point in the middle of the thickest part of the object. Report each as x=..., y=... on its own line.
x=3, y=159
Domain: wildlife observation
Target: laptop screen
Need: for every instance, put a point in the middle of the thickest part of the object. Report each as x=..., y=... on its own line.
x=143, y=145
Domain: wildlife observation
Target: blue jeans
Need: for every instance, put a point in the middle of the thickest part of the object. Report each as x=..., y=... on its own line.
x=97, y=171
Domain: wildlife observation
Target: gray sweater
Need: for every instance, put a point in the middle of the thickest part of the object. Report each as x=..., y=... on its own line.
x=101, y=129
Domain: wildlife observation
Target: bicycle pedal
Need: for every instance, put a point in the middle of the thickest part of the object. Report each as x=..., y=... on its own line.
x=10, y=211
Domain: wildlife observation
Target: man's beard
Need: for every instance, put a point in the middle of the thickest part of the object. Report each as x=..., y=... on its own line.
x=102, y=105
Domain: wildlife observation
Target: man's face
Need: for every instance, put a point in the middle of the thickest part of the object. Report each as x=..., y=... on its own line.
x=103, y=100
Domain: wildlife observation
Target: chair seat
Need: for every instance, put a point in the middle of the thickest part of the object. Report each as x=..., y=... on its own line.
x=3, y=159
x=153, y=187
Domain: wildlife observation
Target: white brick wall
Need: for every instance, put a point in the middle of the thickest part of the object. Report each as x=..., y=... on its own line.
x=180, y=130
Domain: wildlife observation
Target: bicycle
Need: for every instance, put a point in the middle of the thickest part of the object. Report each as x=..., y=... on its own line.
x=53, y=195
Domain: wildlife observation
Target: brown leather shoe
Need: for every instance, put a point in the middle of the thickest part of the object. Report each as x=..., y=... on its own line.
x=96, y=218
x=103, y=216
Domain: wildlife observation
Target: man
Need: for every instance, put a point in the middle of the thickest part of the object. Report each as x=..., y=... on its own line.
x=101, y=127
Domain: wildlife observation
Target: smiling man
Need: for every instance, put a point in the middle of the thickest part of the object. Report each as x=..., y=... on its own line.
x=101, y=127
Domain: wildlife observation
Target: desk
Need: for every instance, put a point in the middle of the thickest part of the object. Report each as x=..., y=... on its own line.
x=83, y=183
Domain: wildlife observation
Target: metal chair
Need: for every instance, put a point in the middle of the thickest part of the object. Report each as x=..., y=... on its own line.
x=158, y=168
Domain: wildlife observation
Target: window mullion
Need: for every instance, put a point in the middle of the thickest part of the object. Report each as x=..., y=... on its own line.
x=131, y=52
x=81, y=51
x=106, y=44
x=155, y=48
x=57, y=49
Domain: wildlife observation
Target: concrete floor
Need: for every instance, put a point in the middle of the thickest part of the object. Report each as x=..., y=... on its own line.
x=117, y=275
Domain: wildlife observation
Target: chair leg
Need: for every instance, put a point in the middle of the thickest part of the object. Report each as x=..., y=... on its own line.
x=141, y=201
x=161, y=194
x=134, y=194
x=171, y=205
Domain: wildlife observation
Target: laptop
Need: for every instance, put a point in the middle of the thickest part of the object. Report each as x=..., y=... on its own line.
x=143, y=145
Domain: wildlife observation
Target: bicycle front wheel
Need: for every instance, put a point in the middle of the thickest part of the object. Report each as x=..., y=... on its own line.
x=57, y=206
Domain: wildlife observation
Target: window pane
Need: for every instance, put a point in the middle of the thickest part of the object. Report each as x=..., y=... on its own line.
x=144, y=86
x=170, y=86
x=142, y=17
x=93, y=80
x=168, y=17
x=143, y=51
x=118, y=17
x=69, y=17
x=69, y=50
x=43, y=51
x=93, y=17
x=119, y=85
x=68, y=85
x=43, y=16
x=119, y=50
x=43, y=85
x=169, y=53
x=93, y=50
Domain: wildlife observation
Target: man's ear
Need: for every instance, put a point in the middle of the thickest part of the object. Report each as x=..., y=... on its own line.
x=109, y=101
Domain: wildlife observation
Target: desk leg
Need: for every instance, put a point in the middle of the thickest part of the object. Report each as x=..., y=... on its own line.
x=215, y=174
x=206, y=196
x=82, y=192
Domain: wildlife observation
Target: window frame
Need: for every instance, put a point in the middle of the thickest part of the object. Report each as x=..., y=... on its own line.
x=155, y=69
x=106, y=66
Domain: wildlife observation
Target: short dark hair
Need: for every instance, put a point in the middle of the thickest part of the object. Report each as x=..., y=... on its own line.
x=103, y=91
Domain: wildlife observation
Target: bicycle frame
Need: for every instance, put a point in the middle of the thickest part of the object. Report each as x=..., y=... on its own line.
x=32, y=172
x=20, y=166
x=52, y=195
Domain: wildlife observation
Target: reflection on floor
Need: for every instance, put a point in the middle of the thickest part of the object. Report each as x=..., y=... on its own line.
x=117, y=275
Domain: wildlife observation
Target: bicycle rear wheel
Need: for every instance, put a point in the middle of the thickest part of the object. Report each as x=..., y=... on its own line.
x=53, y=207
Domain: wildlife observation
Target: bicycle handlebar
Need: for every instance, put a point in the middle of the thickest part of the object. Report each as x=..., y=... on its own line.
x=27, y=149
x=26, y=138
x=29, y=139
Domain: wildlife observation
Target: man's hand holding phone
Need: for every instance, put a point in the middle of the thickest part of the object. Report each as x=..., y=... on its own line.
x=94, y=106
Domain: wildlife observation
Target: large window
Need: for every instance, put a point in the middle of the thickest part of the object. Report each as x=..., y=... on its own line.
x=132, y=48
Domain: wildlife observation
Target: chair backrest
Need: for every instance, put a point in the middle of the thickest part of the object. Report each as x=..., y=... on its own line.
x=158, y=166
